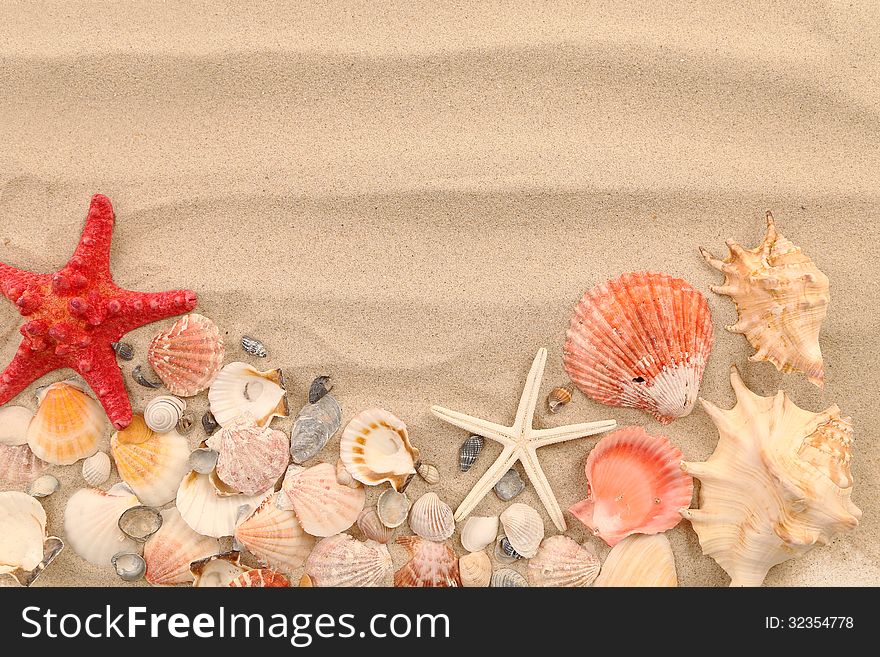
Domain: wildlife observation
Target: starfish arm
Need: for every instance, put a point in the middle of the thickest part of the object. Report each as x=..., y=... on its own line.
x=490, y=430
x=26, y=367
x=140, y=308
x=99, y=368
x=544, y=437
x=536, y=475
x=525, y=413
x=509, y=455
x=93, y=251
x=15, y=281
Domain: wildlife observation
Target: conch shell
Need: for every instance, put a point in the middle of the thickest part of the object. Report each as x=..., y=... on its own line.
x=781, y=298
x=777, y=485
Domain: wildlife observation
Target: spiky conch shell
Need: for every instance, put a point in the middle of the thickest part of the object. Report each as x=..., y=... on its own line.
x=252, y=458
x=431, y=564
x=341, y=560
x=67, y=426
x=153, y=464
x=18, y=464
x=188, y=355
x=260, y=577
x=634, y=486
x=241, y=388
x=170, y=551
x=777, y=485
x=323, y=506
x=375, y=448
x=562, y=562
x=641, y=340
x=211, y=512
x=639, y=560
x=275, y=537
x=91, y=523
x=781, y=299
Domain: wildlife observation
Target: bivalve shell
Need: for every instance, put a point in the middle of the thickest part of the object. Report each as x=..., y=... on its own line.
x=431, y=564
x=96, y=469
x=639, y=560
x=18, y=464
x=341, y=560
x=371, y=526
x=275, y=537
x=44, y=486
x=392, y=508
x=240, y=387
x=479, y=532
x=524, y=528
x=67, y=426
x=252, y=458
x=218, y=570
x=508, y=578
x=431, y=518
x=170, y=551
x=475, y=570
x=14, y=421
x=187, y=356
x=323, y=505
x=207, y=511
x=375, y=448
x=260, y=577
x=91, y=523
x=562, y=562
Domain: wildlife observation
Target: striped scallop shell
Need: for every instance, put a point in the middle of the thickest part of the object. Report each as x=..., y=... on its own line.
x=524, y=529
x=96, y=469
x=252, y=458
x=209, y=512
x=170, y=551
x=341, y=560
x=323, y=505
x=641, y=340
x=431, y=518
x=475, y=570
x=260, y=577
x=67, y=426
x=431, y=564
x=14, y=421
x=375, y=448
x=371, y=526
x=91, y=523
x=18, y=464
x=275, y=537
x=187, y=356
x=241, y=388
x=562, y=562
x=639, y=560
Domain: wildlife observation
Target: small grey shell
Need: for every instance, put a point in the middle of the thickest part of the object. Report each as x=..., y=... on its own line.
x=209, y=423
x=468, y=452
x=140, y=522
x=129, y=566
x=44, y=486
x=508, y=578
x=510, y=485
x=186, y=423
x=254, y=347
x=504, y=551
x=320, y=387
x=314, y=426
x=138, y=375
x=124, y=350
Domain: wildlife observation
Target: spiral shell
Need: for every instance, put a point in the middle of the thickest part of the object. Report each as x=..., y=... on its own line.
x=163, y=413
x=524, y=528
x=341, y=560
x=187, y=356
x=429, y=473
x=469, y=451
x=558, y=398
x=431, y=518
x=96, y=469
x=560, y=561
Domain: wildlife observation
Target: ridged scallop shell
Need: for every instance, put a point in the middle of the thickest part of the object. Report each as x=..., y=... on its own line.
x=777, y=485
x=91, y=523
x=479, y=532
x=639, y=560
x=67, y=426
x=641, y=340
x=524, y=528
x=371, y=526
x=96, y=469
x=341, y=560
x=375, y=448
x=252, y=458
x=275, y=537
x=162, y=414
x=18, y=464
x=14, y=421
x=431, y=518
x=23, y=523
x=323, y=505
x=216, y=571
x=170, y=551
x=187, y=356
x=634, y=486
x=508, y=578
x=781, y=298
x=207, y=511
x=475, y=570
x=393, y=508
x=153, y=464
x=260, y=577
x=562, y=562
x=431, y=564
x=240, y=387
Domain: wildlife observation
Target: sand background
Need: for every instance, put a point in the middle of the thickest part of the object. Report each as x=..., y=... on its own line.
x=413, y=198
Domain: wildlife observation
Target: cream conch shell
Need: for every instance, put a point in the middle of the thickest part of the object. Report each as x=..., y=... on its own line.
x=777, y=485
x=781, y=298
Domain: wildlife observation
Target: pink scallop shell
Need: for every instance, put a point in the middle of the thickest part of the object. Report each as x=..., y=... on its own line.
x=635, y=485
x=641, y=340
x=275, y=537
x=19, y=464
x=252, y=458
x=187, y=356
x=260, y=577
x=323, y=505
x=169, y=552
x=431, y=564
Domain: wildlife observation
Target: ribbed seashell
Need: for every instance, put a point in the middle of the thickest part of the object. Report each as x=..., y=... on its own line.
x=170, y=551
x=314, y=426
x=469, y=451
x=639, y=560
x=254, y=347
x=163, y=413
x=153, y=464
x=130, y=566
x=218, y=570
x=475, y=570
x=375, y=448
x=479, y=532
x=252, y=458
x=239, y=388
x=341, y=560
x=209, y=512
x=431, y=564
x=52, y=547
x=781, y=299
x=323, y=505
x=562, y=562
x=22, y=532
x=371, y=526
x=188, y=355
x=91, y=520
x=96, y=469
x=558, y=398
x=431, y=518
x=524, y=528
x=275, y=537
x=18, y=464
x=67, y=426
x=392, y=508
x=140, y=522
x=428, y=472
x=634, y=486
x=203, y=460
x=641, y=340
x=14, y=421
x=44, y=486
x=777, y=485
x=508, y=578
x=260, y=577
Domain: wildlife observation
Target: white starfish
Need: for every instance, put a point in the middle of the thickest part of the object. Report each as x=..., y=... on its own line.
x=521, y=443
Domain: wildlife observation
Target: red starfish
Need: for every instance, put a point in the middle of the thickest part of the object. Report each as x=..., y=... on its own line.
x=74, y=315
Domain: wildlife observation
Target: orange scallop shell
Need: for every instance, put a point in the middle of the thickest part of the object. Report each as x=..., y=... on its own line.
x=67, y=426
x=431, y=564
x=260, y=577
x=187, y=356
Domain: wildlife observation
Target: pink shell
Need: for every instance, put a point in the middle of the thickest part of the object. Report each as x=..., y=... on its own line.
x=641, y=340
x=18, y=464
x=188, y=356
x=252, y=458
x=323, y=505
x=169, y=552
x=431, y=564
x=275, y=537
x=260, y=577
x=635, y=485
x=341, y=560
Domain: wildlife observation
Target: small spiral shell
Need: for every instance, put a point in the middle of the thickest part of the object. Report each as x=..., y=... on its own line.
x=163, y=413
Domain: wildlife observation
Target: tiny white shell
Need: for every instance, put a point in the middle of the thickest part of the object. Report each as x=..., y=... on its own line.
x=431, y=518
x=392, y=508
x=479, y=532
x=44, y=486
x=96, y=469
x=524, y=528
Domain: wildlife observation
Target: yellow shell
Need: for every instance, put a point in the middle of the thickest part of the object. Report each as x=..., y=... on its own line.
x=67, y=426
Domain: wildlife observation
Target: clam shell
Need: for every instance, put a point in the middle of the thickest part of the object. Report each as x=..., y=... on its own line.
x=323, y=505
x=91, y=520
x=23, y=523
x=44, y=486
x=431, y=518
x=169, y=552
x=469, y=451
x=392, y=508
x=254, y=347
x=375, y=448
x=341, y=560
x=239, y=388
x=510, y=485
x=558, y=398
x=639, y=560
x=260, y=577
x=14, y=421
x=524, y=528
x=635, y=486
x=508, y=578
x=96, y=469
x=188, y=355
x=479, y=532
x=129, y=566
x=162, y=414
x=562, y=562
x=18, y=464
x=140, y=522
x=642, y=341
x=252, y=458
x=275, y=537
x=153, y=464
x=429, y=473
x=208, y=512
x=314, y=426
x=371, y=526
x=431, y=564
x=67, y=426
x=475, y=570
x=218, y=570
x=203, y=460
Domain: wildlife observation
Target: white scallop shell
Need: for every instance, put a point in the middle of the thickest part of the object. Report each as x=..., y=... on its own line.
x=431, y=518
x=524, y=528
x=163, y=413
x=375, y=448
x=14, y=421
x=91, y=520
x=240, y=387
x=341, y=560
x=639, y=560
x=23, y=523
x=475, y=569
x=371, y=525
x=208, y=512
x=252, y=458
x=19, y=464
x=561, y=561
x=96, y=469
x=170, y=551
x=479, y=532
x=275, y=537
x=323, y=505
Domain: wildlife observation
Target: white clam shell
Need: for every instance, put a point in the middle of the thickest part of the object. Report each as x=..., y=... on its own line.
x=524, y=528
x=639, y=560
x=14, y=421
x=163, y=413
x=392, y=508
x=431, y=518
x=208, y=512
x=479, y=532
x=475, y=569
x=240, y=387
x=96, y=469
x=23, y=523
x=341, y=560
x=44, y=486
x=170, y=551
x=91, y=520
x=562, y=562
